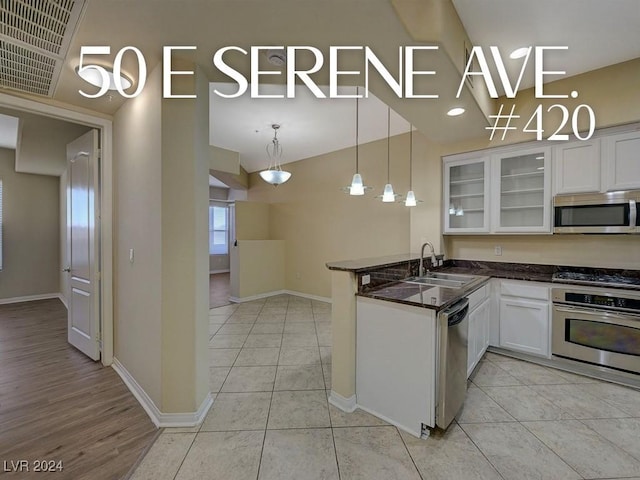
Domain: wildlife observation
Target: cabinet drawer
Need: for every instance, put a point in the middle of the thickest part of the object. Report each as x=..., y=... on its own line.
x=477, y=297
x=524, y=290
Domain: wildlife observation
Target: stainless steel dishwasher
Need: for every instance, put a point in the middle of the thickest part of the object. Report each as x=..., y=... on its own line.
x=453, y=325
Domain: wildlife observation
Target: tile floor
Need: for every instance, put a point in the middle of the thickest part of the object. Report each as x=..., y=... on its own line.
x=271, y=373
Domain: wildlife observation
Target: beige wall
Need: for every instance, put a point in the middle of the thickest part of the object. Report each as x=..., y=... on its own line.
x=43, y=143
x=320, y=223
x=137, y=154
x=248, y=266
x=161, y=161
x=185, y=253
x=614, y=95
x=223, y=160
x=252, y=221
x=613, y=251
x=426, y=217
x=260, y=267
x=31, y=231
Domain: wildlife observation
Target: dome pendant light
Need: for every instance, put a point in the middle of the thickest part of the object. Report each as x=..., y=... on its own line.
x=357, y=187
x=274, y=174
x=387, y=195
x=411, y=201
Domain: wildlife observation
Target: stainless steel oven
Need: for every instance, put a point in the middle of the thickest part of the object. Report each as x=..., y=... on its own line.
x=598, y=326
x=613, y=212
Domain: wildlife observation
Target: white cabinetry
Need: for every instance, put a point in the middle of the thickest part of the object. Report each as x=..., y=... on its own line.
x=621, y=155
x=508, y=189
x=396, y=363
x=606, y=163
x=478, y=339
x=577, y=167
x=524, y=317
x=521, y=196
x=466, y=195
x=507, y=192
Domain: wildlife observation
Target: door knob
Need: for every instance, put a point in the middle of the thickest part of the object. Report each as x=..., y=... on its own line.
x=68, y=269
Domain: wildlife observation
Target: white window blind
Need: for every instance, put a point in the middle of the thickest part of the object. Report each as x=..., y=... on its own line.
x=0, y=224
x=218, y=230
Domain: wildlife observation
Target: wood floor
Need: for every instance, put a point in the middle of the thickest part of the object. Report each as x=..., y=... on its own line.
x=56, y=404
x=219, y=290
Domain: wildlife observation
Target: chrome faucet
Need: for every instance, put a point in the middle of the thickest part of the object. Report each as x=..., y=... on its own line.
x=434, y=261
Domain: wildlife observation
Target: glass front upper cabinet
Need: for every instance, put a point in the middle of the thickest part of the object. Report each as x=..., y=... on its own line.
x=521, y=195
x=466, y=195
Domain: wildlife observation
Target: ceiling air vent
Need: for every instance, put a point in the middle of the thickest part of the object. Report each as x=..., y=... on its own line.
x=35, y=36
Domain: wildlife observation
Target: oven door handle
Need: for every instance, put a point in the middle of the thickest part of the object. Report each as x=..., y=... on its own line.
x=597, y=313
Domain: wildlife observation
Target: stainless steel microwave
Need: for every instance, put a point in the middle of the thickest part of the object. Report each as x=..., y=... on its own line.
x=613, y=212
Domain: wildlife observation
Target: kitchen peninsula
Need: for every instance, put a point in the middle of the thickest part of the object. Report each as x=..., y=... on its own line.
x=387, y=340
x=518, y=308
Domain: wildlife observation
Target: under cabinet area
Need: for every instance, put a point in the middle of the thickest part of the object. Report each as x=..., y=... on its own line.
x=524, y=311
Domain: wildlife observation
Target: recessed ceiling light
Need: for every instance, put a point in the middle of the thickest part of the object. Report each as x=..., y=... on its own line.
x=454, y=112
x=519, y=52
x=92, y=76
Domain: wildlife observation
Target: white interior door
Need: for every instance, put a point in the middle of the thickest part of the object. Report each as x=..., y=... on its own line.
x=83, y=244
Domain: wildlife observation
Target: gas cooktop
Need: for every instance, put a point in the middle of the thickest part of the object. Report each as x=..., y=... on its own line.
x=596, y=279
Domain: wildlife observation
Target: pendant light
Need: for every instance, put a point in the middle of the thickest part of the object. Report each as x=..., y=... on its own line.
x=387, y=195
x=411, y=201
x=274, y=174
x=357, y=187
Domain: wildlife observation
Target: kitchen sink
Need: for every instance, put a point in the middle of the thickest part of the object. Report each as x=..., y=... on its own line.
x=450, y=276
x=438, y=282
x=437, y=279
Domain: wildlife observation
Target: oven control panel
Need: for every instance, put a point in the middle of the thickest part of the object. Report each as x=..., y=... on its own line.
x=598, y=298
x=603, y=301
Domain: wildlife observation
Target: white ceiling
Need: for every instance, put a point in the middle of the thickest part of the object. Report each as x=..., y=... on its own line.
x=308, y=126
x=598, y=32
x=8, y=132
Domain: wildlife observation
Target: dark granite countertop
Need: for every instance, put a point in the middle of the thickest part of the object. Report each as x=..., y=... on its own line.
x=364, y=264
x=557, y=274
x=387, y=275
x=510, y=271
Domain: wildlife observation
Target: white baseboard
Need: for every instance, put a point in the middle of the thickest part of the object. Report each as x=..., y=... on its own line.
x=63, y=300
x=308, y=295
x=161, y=420
x=31, y=298
x=347, y=405
x=213, y=272
x=257, y=297
x=279, y=292
x=388, y=420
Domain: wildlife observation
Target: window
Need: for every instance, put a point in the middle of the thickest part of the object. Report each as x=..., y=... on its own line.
x=0, y=224
x=218, y=229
